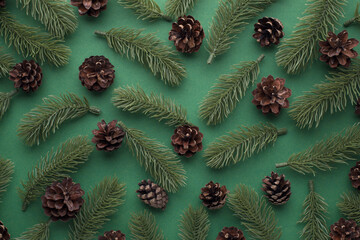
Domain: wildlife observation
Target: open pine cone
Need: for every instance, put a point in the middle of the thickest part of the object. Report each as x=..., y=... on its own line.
x=187, y=140
x=345, y=230
x=354, y=175
x=109, y=137
x=2, y=3
x=26, y=75
x=277, y=189
x=268, y=31
x=152, y=194
x=4, y=234
x=213, y=196
x=230, y=233
x=90, y=7
x=357, y=107
x=112, y=235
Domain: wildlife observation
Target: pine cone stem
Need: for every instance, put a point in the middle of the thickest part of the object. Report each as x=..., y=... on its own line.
x=95, y=110
x=262, y=56
x=282, y=131
x=349, y=22
x=13, y=93
x=280, y=165
x=100, y=33
x=211, y=57
x=166, y=18
x=311, y=185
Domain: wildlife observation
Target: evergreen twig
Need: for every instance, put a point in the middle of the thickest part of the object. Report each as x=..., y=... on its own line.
x=350, y=205
x=6, y=63
x=177, y=8
x=5, y=99
x=355, y=19
x=145, y=9
x=194, y=224
x=39, y=231
x=143, y=227
x=6, y=172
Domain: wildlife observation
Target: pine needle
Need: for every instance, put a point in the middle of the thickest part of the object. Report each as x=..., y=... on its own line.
x=355, y=19
x=339, y=148
x=255, y=214
x=57, y=15
x=6, y=63
x=223, y=97
x=148, y=50
x=144, y=9
x=5, y=99
x=98, y=206
x=299, y=50
x=350, y=206
x=240, y=145
x=47, y=118
x=39, y=231
x=154, y=106
x=162, y=164
x=143, y=227
x=6, y=172
x=342, y=85
x=56, y=164
x=230, y=19
x=178, y=8
x=194, y=224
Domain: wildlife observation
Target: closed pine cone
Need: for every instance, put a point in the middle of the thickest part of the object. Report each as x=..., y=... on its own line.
x=357, y=107
x=96, y=73
x=213, y=196
x=345, y=230
x=62, y=200
x=4, y=234
x=354, y=175
x=26, y=75
x=108, y=137
x=112, y=235
x=187, y=140
x=271, y=95
x=230, y=233
x=277, y=189
x=90, y=7
x=152, y=194
x=338, y=49
x=2, y=4
x=268, y=31
x=187, y=34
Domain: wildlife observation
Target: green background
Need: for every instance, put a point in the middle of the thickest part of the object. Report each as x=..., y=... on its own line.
x=200, y=78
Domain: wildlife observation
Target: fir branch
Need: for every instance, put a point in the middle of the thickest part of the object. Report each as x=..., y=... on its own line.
x=154, y=106
x=30, y=42
x=350, y=206
x=195, y=224
x=355, y=19
x=313, y=216
x=339, y=148
x=162, y=164
x=143, y=227
x=241, y=144
x=230, y=19
x=299, y=50
x=39, y=231
x=47, y=118
x=255, y=214
x=223, y=97
x=6, y=172
x=98, y=206
x=56, y=164
x=148, y=50
x=308, y=110
x=6, y=63
x=5, y=99
x=145, y=9
x=57, y=15
x=177, y=8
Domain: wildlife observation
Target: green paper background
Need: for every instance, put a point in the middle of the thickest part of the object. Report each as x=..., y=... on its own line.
x=200, y=78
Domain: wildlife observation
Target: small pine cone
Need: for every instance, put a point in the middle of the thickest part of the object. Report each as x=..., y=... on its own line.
x=90, y=7
x=271, y=95
x=4, y=234
x=338, y=49
x=112, y=235
x=354, y=175
x=26, y=75
x=277, y=189
x=230, y=233
x=187, y=34
x=109, y=137
x=96, y=73
x=213, y=196
x=187, y=140
x=152, y=194
x=2, y=4
x=63, y=200
x=345, y=230
x=268, y=31
x=357, y=107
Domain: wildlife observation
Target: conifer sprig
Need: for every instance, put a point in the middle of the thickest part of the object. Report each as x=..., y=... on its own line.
x=47, y=118
x=255, y=214
x=241, y=144
x=177, y=8
x=143, y=227
x=100, y=203
x=56, y=164
x=162, y=164
x=224, y=96
x=355, y=19
x=350, y=205
x=156, y=106
x=6, y=172
x=5, y=99
x=39, y=231
x=299, y=50
x=148, y=50
x=338, y=148
x=194, y=224
x=6, y=63
x=230, y=19
x=145, y=9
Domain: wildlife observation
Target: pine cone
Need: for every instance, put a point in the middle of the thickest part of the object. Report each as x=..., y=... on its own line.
x=271, y=95
x=268, y=31
x=213, y=196
x=96, y=73
x=354, y=175
x=2, y=4
x=26, y=75
x=357, y=107
x=345, y=230
x=90, y=7
x=62, y=200
x=338, y=49
x=187, y=140
x=152, y=194
x=4, y=234
x=277, y=189
x=231, y=233
x=187, y=34
x=112, y=235
x=109, y=137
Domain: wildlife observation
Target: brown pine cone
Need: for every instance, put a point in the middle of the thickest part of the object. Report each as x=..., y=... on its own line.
x=90, y=7
x=112, y=235
x=2, y=4
x=26, y=75
x=354, y=175
x=63, y=200
x=357, y=107
x=338, y=49
x=277, y=189
x=187, y=140
x=152, y=194
x=109, y=137
x=4, y=234
x=271, y=95
x=345, y=230
x=187, y=34
x=213, y=196
x=268, y=31
x=231, y=233
x=96, y=73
